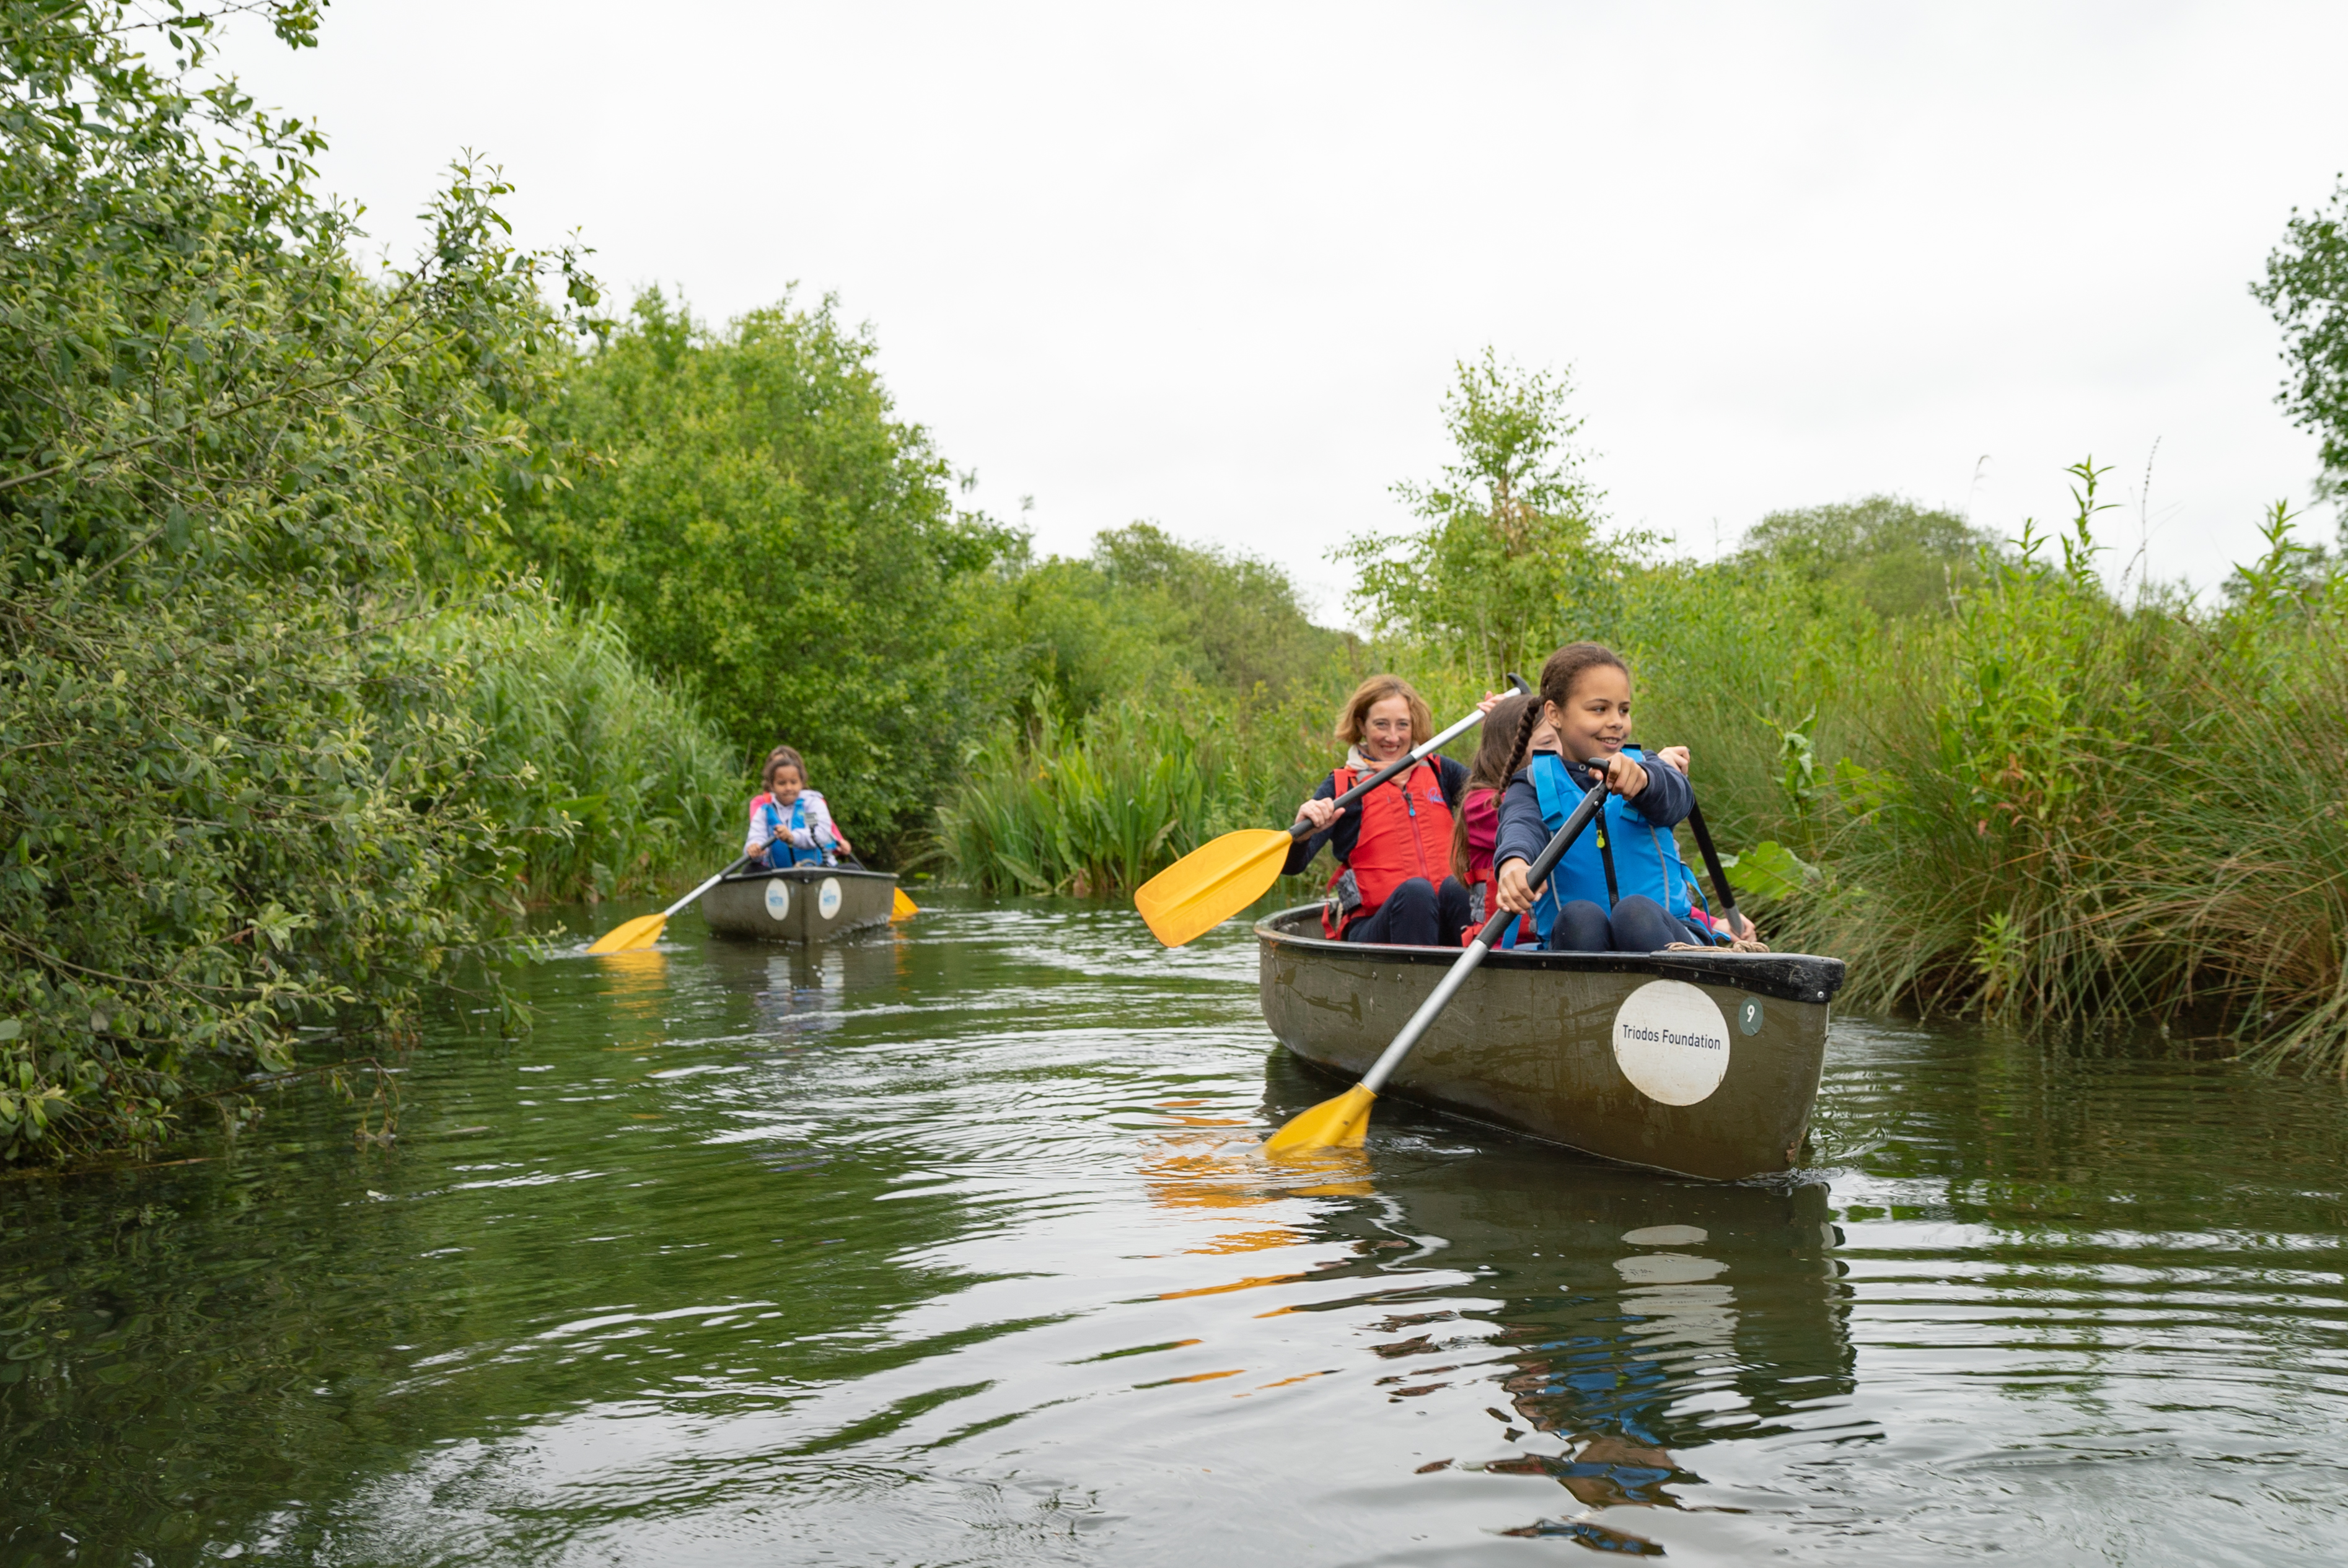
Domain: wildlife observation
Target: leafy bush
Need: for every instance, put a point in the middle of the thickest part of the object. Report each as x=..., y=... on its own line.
x=242, y=781
x=1144, y=613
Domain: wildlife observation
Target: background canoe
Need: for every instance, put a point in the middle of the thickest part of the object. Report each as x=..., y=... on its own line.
x=803, y=904
x=1705, y=1064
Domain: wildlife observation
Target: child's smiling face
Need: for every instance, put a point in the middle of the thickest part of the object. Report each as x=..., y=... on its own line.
x=783, y=785
x=1596, y=718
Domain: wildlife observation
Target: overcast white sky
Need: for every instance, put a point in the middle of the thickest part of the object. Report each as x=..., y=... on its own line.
x=1211, y=265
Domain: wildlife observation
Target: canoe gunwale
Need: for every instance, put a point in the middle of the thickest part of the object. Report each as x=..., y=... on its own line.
x=1786, y=977
x=805, y=874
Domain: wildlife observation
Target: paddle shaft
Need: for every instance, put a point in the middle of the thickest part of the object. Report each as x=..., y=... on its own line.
x=1303, y=826
x=1711, y=864
x=705, y=887
x=1440, y=998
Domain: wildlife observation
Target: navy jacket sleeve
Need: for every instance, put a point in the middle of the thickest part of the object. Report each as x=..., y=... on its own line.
x=1342, y=835
x=1522, y=832
x=1668, y=798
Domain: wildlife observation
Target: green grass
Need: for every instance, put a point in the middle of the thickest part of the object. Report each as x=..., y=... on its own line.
x=1107, y=802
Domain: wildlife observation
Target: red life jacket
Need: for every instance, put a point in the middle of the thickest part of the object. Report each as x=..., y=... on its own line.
x=1480, y=868
x=1406, y=833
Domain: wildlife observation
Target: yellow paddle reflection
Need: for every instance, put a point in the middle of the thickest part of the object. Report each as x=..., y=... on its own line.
x=1202, y=1167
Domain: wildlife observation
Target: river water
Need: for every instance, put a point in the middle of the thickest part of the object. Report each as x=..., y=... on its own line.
x=944, y=1246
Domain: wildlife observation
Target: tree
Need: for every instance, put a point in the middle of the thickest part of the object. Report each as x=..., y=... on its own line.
x=1508, y=563
x=747, y=505
x=1898, y=558
x=232, y=799
x=2306, y=289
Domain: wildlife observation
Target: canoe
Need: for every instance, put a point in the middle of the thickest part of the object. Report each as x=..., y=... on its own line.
x=1699, y=1063
x=798, y=904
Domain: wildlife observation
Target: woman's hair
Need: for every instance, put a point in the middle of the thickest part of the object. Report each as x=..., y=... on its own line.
x=1563, y=668
x=1353, y=718
x=782, y=756
x=1489, y=770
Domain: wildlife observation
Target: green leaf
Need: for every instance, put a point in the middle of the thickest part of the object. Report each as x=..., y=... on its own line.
x=1770, y=870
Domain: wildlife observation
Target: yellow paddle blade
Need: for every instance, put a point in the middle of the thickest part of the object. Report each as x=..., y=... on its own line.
x=1339, y=1124
x=641, y=932
x=901, y=908
x=1211, y=884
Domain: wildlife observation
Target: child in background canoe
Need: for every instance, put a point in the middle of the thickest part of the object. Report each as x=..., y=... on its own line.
x=1394, y=844
x=1586, y=699
x=790, y=825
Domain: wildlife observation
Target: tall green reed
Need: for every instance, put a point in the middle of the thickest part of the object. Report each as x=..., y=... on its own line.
x=1109, y=802
x=2065, y=810
x=610, y=780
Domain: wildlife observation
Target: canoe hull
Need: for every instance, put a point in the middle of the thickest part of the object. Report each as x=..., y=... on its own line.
x=1609, y=1053
x=802, y=904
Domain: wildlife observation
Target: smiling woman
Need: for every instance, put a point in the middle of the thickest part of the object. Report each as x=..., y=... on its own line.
x=1393, y=851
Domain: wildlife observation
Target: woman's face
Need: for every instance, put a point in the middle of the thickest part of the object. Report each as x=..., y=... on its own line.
x=783, y=783
x=1385, y=731
x=1596, y=718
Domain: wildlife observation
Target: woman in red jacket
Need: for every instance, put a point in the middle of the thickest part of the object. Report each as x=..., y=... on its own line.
x=1393, y=848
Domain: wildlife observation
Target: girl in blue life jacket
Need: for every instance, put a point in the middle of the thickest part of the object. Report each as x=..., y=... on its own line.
x=1586, y=698
x=790, y=825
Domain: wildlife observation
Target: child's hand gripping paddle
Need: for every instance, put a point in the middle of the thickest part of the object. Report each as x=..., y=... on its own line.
x=1343, y=1123
x=1219, y=878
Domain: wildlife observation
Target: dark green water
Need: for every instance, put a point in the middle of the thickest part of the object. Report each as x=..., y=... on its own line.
x=943, y=1248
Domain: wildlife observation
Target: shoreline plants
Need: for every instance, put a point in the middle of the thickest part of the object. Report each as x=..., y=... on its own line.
x=1968, y=768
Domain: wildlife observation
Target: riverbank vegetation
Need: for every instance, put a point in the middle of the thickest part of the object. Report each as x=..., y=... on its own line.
x=1993, y=776
x=281, y=742
x=346, y=610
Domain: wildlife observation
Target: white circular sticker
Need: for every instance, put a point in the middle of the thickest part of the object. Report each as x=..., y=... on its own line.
x=1671, y=1043
x=1667, y=1269
x=827, y=899
x=778, y=898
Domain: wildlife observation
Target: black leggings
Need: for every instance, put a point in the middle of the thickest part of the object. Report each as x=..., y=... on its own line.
x=1637, y=926
x=1415, y=915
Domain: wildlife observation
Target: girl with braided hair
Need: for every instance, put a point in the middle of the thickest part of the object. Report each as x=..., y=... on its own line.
x=1645, y=904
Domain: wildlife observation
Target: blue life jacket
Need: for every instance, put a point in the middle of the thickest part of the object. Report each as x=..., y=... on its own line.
x=781, y=851
x=1646, y=857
